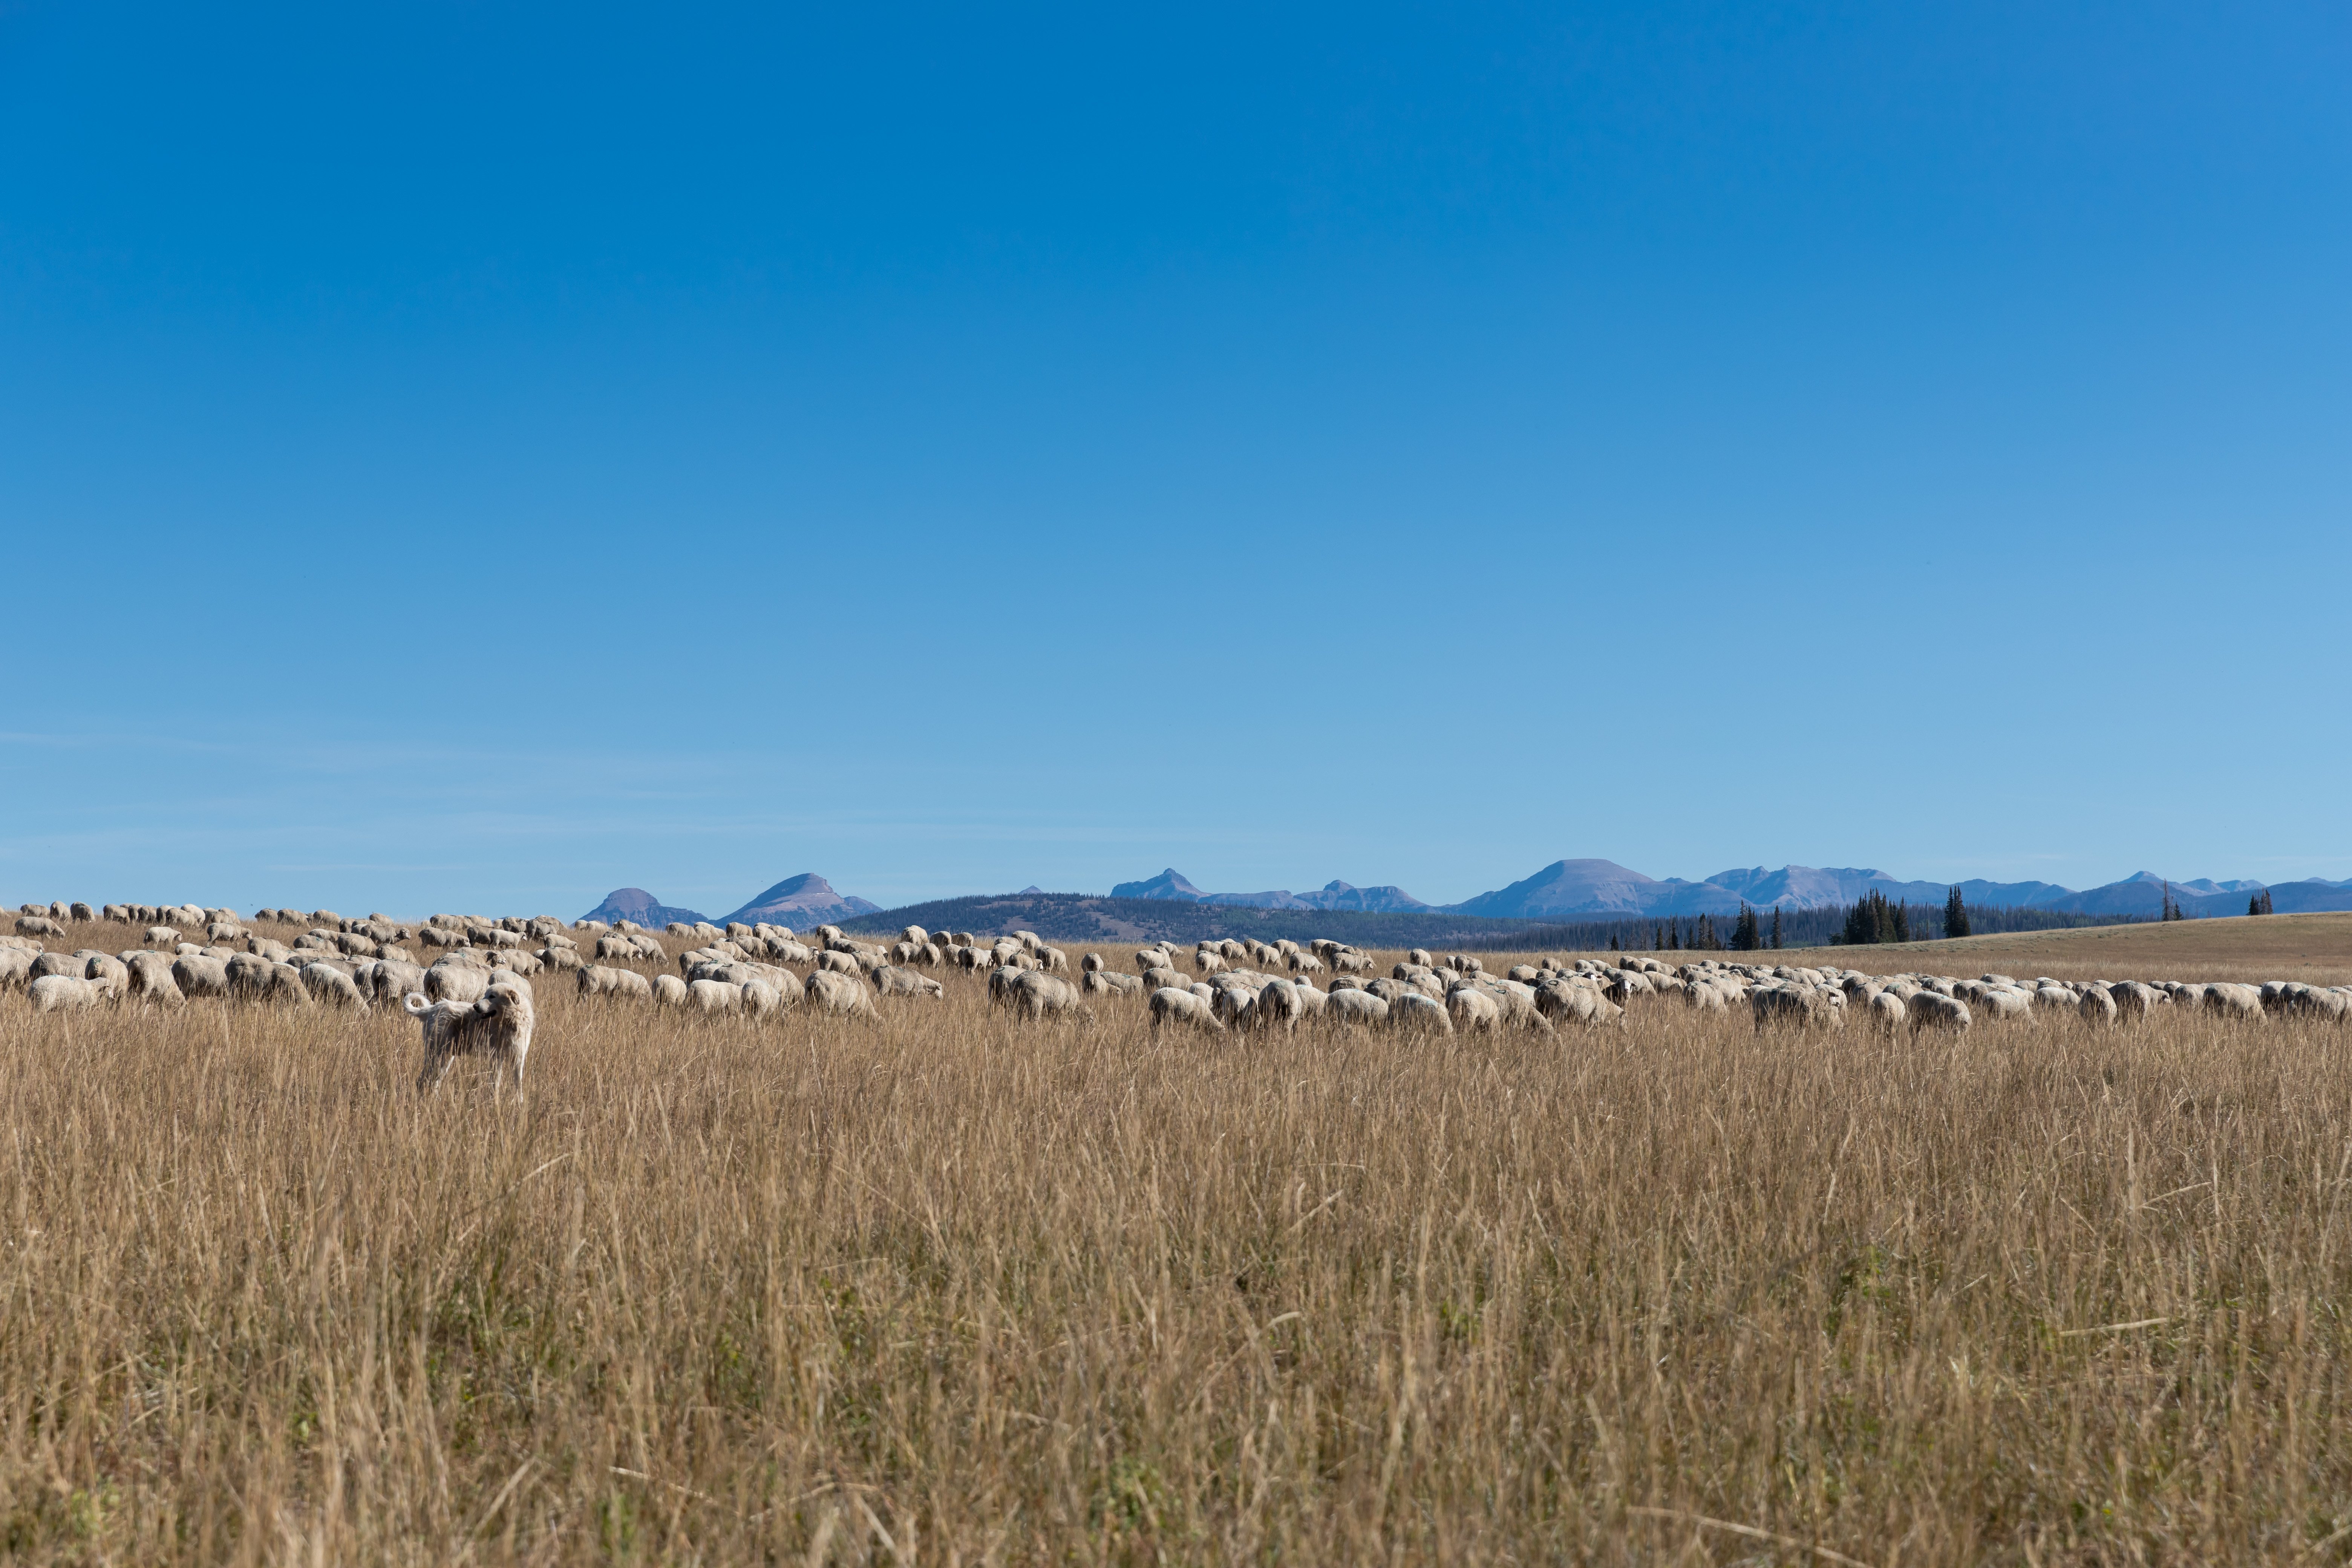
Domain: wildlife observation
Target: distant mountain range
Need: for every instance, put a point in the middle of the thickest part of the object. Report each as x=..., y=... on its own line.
x=1171, y=885
x=1566, y=891
x=807, y=899
x=1603, y=888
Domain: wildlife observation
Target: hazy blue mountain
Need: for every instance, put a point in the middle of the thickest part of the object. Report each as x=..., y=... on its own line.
x=1593, y=889
x=636, y=904
x=1384, y=900
x=2311, y=894
x=1572, y=887
x=801, y=901
x=1602, y=890
x=1171, y=885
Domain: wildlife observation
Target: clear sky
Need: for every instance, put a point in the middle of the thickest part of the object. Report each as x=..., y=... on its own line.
x=478, y=456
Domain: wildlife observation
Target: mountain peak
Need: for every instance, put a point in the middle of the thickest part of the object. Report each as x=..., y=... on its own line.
x=636, y=904
x=805, y=900
x=1169, y=884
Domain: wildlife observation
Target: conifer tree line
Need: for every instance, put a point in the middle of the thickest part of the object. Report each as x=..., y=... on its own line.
x=2259, y=904
x=1761, y=930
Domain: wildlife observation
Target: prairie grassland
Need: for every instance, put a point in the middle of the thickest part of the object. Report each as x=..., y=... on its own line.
x=957, y=1290
x=2313, y=948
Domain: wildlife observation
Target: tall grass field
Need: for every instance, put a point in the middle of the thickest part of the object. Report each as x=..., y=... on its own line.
x=960, y=1289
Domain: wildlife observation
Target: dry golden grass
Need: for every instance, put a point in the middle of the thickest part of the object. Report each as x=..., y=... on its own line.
x=2314, y=948
x=954, y=1290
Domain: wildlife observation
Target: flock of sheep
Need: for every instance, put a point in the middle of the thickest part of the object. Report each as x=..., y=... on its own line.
x=476, y=995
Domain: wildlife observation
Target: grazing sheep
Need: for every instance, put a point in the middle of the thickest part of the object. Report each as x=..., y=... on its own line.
x=1204, y=961
x=2311, y=1002
x=450, y=982
x=2134, y=1000
x=497, y=1024
x=392, y=979
x=1171, y=1005
x=1933, y=1010
x=38, y=925
x=249, y=976
x=1305, y=963
x=197, y=976
x=1705, y=998
x=1424, y=1013
x=669, y=991
x=151, y=978
x=81, y=911
x=325, y=983
x=1628, y=983
x=1804, y=1006
x=1887, y=1011
x=1470, y=1007
x=110, y=971
x=2242, y=1003
x=841, y=995
x=1354, y=1008
x=1037, y=995
x=559, y=959
x=64, y=993
x=1232, y=1004
x=1162, y=978
x=1110, y=983
x=49, y=963
x=596, y=980
x=836, y=963
x=1091, y=963
x=1999, y=1003
x=712, y=997
x=892, y=981
x=1353, y=963
x=2097, y=1005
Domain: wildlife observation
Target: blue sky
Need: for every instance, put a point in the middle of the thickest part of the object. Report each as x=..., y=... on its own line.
x=471, y=456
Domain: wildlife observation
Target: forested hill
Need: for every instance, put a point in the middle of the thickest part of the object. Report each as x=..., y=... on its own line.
x=1082, y=918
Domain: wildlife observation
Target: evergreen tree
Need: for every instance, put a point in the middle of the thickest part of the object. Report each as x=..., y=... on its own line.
x=1744, y=935
x=1875, y=919
x=1675, y=936
x=1776, y=927
x=1612, y=944
x=1956, y=914
x=2259, y=904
